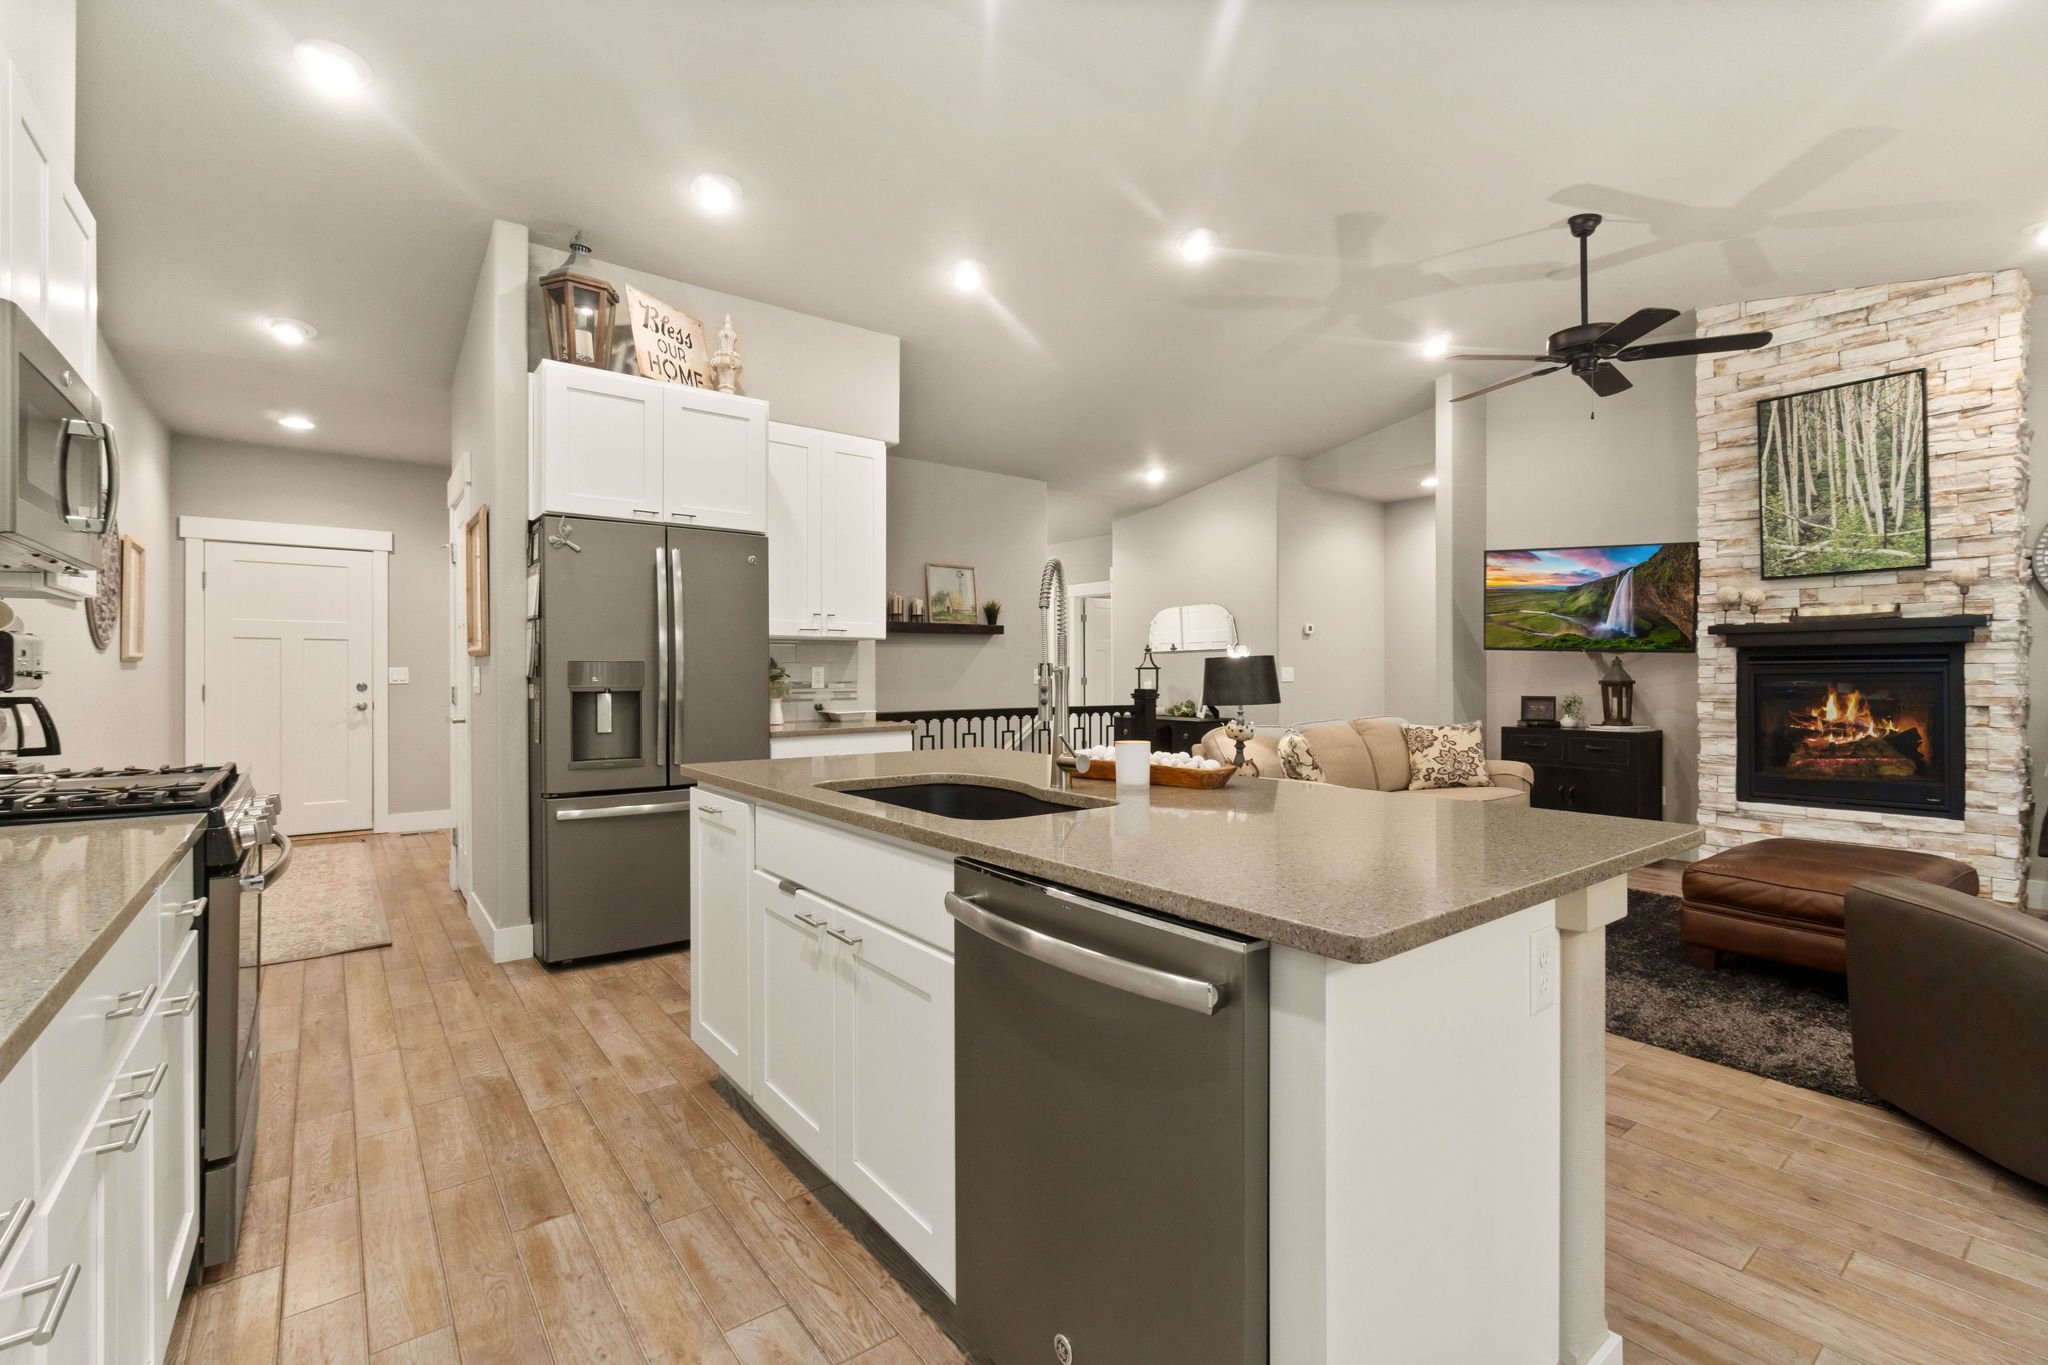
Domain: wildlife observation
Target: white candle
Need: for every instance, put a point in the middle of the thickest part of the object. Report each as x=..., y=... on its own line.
x=1133, y=763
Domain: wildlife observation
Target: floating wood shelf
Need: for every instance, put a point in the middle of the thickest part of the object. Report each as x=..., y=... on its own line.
x=941, y=628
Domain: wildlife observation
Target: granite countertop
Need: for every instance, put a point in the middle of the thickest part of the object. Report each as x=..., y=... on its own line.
x=67, y=890
x=792, y=728
x=1353, y=875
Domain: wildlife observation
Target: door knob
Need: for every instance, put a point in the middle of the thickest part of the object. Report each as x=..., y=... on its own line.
x=362, y=706
x=362, y=687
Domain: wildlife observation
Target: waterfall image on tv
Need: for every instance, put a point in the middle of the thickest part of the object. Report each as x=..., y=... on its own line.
x=1600, y=598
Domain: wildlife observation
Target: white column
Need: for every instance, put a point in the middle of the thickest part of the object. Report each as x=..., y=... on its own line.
x=1460, y=556
x=1582, y=920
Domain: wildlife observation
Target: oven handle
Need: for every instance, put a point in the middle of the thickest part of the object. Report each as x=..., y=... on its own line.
x=262, y=880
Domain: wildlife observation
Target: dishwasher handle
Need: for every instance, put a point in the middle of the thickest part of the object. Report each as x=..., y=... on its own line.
x=1183, y=992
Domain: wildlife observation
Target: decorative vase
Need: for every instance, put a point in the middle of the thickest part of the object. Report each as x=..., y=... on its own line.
x=775, y=710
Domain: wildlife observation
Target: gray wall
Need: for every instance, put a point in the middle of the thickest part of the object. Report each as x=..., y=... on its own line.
x=1331, y=574
x=815, y=372
x=259, y=483
x=1085, y=560
x=939, y=514
x=1410, y=625
x=109, y=713
x=1218, y=543
x=1555, y=478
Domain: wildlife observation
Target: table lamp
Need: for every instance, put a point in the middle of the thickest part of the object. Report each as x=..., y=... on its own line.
x=1240, y=680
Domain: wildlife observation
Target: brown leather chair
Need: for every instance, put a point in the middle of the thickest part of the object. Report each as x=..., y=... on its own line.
x=1948, y=1008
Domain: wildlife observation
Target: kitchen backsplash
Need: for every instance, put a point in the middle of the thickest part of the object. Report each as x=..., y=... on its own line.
x=845, y=670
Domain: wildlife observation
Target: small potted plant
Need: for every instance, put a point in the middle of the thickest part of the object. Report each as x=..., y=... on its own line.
x=990, y=610
x=1184, y=708
x=778, y=690
x=1574, y=707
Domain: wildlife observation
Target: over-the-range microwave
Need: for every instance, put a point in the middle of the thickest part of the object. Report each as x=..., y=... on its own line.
x=59, y=474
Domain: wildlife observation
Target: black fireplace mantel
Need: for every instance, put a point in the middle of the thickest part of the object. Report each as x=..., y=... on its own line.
x=1853, y=631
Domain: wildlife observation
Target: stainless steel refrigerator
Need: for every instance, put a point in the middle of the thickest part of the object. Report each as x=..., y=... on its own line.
x=648, y=649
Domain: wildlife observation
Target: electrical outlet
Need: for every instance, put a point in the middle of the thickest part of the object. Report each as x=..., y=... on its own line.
x=1542, y=970
x=1287, y=674
x=818, y=675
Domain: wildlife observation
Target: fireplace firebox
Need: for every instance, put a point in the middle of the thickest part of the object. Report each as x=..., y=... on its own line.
x=1852, y=713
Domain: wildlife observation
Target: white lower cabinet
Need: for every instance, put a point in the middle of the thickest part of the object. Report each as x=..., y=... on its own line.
x=102, y=1117
x=848, y=1048
x=721, y=876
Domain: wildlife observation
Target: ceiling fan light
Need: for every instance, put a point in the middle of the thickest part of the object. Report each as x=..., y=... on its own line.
x=2038, y=234
x=1437, y=347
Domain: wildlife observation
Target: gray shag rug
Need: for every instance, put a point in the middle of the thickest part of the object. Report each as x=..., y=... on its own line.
x=1790, y=1024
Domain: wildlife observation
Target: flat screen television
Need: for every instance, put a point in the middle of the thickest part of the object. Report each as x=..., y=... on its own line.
x=1603, y=599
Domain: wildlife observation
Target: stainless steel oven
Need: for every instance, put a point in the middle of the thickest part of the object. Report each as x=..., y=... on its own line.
x=59, y=475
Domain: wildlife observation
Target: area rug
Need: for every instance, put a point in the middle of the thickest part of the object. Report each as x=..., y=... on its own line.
x=1788, y=1023
x=327, y=903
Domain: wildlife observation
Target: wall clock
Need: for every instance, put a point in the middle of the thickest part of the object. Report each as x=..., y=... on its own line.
x=103, y=612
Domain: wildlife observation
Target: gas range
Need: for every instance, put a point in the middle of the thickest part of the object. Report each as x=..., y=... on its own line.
x=237, y=818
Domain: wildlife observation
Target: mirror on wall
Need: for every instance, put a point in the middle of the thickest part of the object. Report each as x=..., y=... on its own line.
x=1203, y=629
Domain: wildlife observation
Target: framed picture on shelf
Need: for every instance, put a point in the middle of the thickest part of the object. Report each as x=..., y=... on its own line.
x=949, y=594
x=1842, y=474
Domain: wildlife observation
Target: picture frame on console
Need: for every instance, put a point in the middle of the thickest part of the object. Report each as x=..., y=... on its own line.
x=1842, y=478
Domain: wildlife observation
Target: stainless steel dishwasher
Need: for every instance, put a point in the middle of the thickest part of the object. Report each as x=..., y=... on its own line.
x=1111, y=1087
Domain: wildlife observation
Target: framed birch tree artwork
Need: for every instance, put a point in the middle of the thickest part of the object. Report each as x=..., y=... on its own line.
x=1844, y=478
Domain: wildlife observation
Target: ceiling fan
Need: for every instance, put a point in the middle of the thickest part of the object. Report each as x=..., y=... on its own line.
x=1590, y=349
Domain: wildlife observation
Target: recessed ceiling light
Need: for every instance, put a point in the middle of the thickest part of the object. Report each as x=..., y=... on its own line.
x=290, y=331
x=295, y=421
x=1429, y=482
x=1155, y=476
x=1196, y=245
x=715, y=194
x=968, y=276
x=332, y=69
x=1438, y=346
x=2039, y=233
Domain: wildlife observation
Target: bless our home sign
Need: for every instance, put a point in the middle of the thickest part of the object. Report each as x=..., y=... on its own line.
x=668, y=344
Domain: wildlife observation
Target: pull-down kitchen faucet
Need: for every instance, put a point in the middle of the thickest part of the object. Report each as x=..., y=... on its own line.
x=1052, y=675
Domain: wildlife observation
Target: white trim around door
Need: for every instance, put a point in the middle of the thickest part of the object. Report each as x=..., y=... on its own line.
x=196, y=532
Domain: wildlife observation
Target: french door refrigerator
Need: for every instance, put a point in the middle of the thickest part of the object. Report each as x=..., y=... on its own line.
x=649, y=650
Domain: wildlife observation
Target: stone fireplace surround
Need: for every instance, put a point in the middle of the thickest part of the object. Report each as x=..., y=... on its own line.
x=1969, y=332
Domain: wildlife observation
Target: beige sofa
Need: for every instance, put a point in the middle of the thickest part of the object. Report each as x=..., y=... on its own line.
x=1368, y=753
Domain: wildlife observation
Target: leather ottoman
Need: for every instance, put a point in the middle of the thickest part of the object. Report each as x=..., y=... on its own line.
x=1782, y=898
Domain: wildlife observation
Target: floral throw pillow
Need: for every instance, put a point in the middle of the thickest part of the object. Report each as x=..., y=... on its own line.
x=1297, y=760
x=1445, y=756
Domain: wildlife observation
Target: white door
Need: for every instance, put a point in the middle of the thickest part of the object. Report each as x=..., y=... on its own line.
x=893, y=1040
x=459, y=665
x=793, y=606
x=852, y=510
x=1098, y=665
x=600, y=442
x=792, y=1013
x=714, y=459
x=288, y=677
x=721, y=872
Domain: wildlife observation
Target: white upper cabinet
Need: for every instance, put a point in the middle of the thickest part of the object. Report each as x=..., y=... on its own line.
x=51, y=242
x=616, y=445
x=714, y=459
x=827, y=534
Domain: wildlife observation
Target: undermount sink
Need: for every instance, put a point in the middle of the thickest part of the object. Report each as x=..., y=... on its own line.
x=965, y=800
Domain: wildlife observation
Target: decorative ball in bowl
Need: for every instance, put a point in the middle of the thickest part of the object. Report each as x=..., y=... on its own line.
x=1168, y=770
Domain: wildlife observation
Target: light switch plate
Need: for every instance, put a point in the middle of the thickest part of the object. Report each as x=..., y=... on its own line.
x=818, y=675
x=398, y=677
x=476, y=679
x=1287, y=674
x=1542, y=970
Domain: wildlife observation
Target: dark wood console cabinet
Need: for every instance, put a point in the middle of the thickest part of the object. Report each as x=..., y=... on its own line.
x=1601, y=772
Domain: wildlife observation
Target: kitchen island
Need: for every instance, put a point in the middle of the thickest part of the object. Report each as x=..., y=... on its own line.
x=1435, y=1053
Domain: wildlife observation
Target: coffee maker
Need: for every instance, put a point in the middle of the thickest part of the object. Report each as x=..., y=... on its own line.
x=21, y=670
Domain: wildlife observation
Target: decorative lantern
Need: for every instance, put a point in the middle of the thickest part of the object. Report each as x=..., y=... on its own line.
x=578, y=305
x=1617, y=695
x=1145, y=699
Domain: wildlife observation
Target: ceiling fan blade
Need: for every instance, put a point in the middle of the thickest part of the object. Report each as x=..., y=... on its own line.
x=1495, y=355
x=1526, y=374
x=1606, y=381
x=1640, y=323
x=1658, y=350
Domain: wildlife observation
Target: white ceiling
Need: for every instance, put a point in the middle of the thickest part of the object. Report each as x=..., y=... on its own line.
x=1376, y=172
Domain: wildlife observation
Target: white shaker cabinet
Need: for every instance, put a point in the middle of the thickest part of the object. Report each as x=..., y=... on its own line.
x=721, y=877
x=606, y=444
x=792, y=988
x=51, y=240
x=828, y=514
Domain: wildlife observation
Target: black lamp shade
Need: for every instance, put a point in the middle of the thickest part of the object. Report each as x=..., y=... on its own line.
x=1240, y=680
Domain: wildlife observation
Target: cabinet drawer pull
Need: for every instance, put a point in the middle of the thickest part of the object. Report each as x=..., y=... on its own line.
x=187, y=909
x=147, y=1090
x=178, y=1006
x=710, y=809
x=687, y=516
x=12, y=1224
x=137, y=1125
x=815, y=921
x=848, y=939
x=787, y=887
x=45, y=1329
x=138, y=1002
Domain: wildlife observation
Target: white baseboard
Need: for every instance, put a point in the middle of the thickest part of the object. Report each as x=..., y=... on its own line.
x=416, y=821
x=1607, y=1353
x=507, y=944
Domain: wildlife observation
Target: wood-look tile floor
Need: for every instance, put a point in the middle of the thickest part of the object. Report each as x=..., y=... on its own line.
x=461, y=1162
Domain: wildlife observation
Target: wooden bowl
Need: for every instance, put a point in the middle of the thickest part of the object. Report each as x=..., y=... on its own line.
x=1205, y=779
